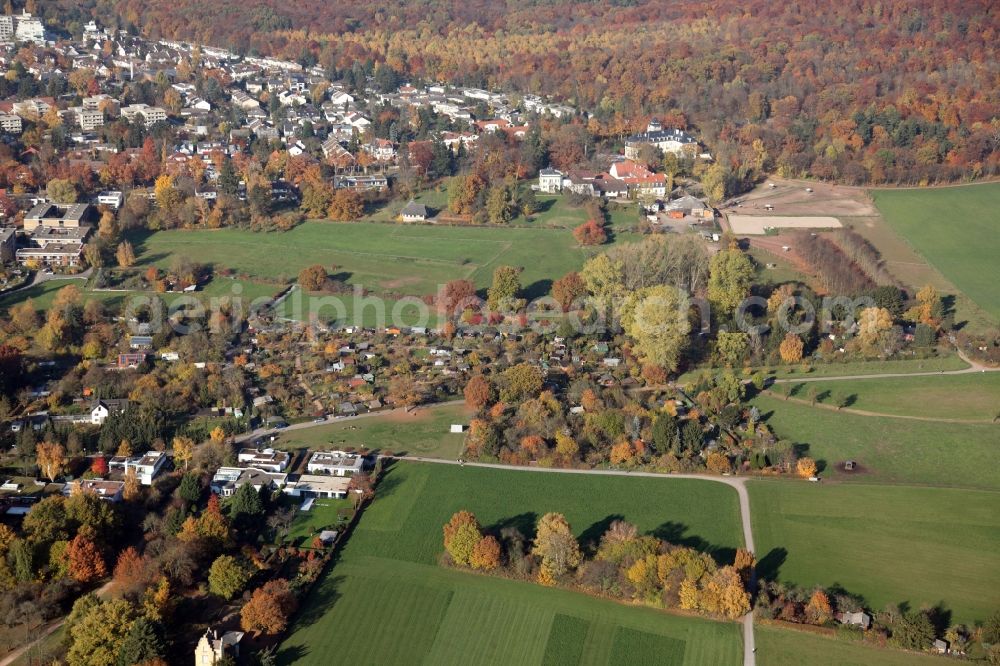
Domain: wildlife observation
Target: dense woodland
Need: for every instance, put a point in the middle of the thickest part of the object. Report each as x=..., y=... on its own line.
x=859, y=91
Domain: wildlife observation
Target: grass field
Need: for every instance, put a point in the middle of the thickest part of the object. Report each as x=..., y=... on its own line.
x=889, y=450
x=890, y=544
x=388, y=588
x=786, y=647
x=972, y=396
x=386, y=258
x=957, y=229
x=423, y=433
x=933, y=364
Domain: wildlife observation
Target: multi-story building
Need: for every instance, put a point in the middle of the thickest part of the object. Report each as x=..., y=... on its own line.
x=6, y=28
x=8, y=244
x=29, y=29
x=150, y=114
x=55, y=215
x=673, y=141
x=10, y=122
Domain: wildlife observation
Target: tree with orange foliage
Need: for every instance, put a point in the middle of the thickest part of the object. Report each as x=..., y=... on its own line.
x=590, y=233
x=818, y=610
x=717, y=462
x=568, y=289
x=86, y=564
x=622, y=453
x=269, y=607
x=485, y=554
x=477, y=392
x=130, y=571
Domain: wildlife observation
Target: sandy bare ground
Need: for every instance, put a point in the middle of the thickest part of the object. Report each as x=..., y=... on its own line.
x=759, y=224
x=792, y=197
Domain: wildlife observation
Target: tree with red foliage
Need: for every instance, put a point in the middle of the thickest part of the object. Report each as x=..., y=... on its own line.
x=590, y=233
x=99, y=466
x=455, y=296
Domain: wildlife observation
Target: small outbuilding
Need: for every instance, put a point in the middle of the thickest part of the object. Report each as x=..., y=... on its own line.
x=413, y=212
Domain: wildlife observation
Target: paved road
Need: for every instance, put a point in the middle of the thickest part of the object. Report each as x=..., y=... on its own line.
x=41, y=277
x=44, y=633
x=739, y=483
x=265, y=432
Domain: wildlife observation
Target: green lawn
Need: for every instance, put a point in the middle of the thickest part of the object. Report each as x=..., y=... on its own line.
x=957, y=229
x=840, y=369
x=324, y=514
x=422, y=433
x=889, y=450
x=221, y=289
x=890, y=544
x=848, y=368
x=386, y=258
x=787, y=647
x=972, y=396
x=388, y=587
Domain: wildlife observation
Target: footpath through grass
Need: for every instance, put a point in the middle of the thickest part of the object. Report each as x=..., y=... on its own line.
x=957, y=229
x=388, y=587
x=890, y=544
x=887, y=450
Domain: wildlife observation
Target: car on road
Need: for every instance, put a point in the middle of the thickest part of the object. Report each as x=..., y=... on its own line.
x=319, y=419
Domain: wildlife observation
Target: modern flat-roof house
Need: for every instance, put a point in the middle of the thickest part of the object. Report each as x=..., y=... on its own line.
x=307, y=485
x=55, y=215
x=268, y=460
x=228, y=480
x=336, y=463
x=147, y=466
x=107, y=490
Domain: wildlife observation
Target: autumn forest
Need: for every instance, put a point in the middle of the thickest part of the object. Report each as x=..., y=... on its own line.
x=864, y=91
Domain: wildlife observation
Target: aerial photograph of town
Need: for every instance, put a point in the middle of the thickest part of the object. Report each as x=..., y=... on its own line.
x=527, y=333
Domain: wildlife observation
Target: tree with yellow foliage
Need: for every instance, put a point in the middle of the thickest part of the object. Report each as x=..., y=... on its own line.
x=51, y=458
x=131, y=490
x=791, y=348
x=183, y=448
x=805, y=467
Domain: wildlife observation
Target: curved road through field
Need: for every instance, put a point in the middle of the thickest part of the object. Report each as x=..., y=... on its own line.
x=738, y=483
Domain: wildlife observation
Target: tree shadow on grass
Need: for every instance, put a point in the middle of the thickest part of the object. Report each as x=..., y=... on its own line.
x=523, y=523
x=674, y=533
x=591, y=536
x=769, y=565
x=291, y=655
x=319, y=602
x=537, y=289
